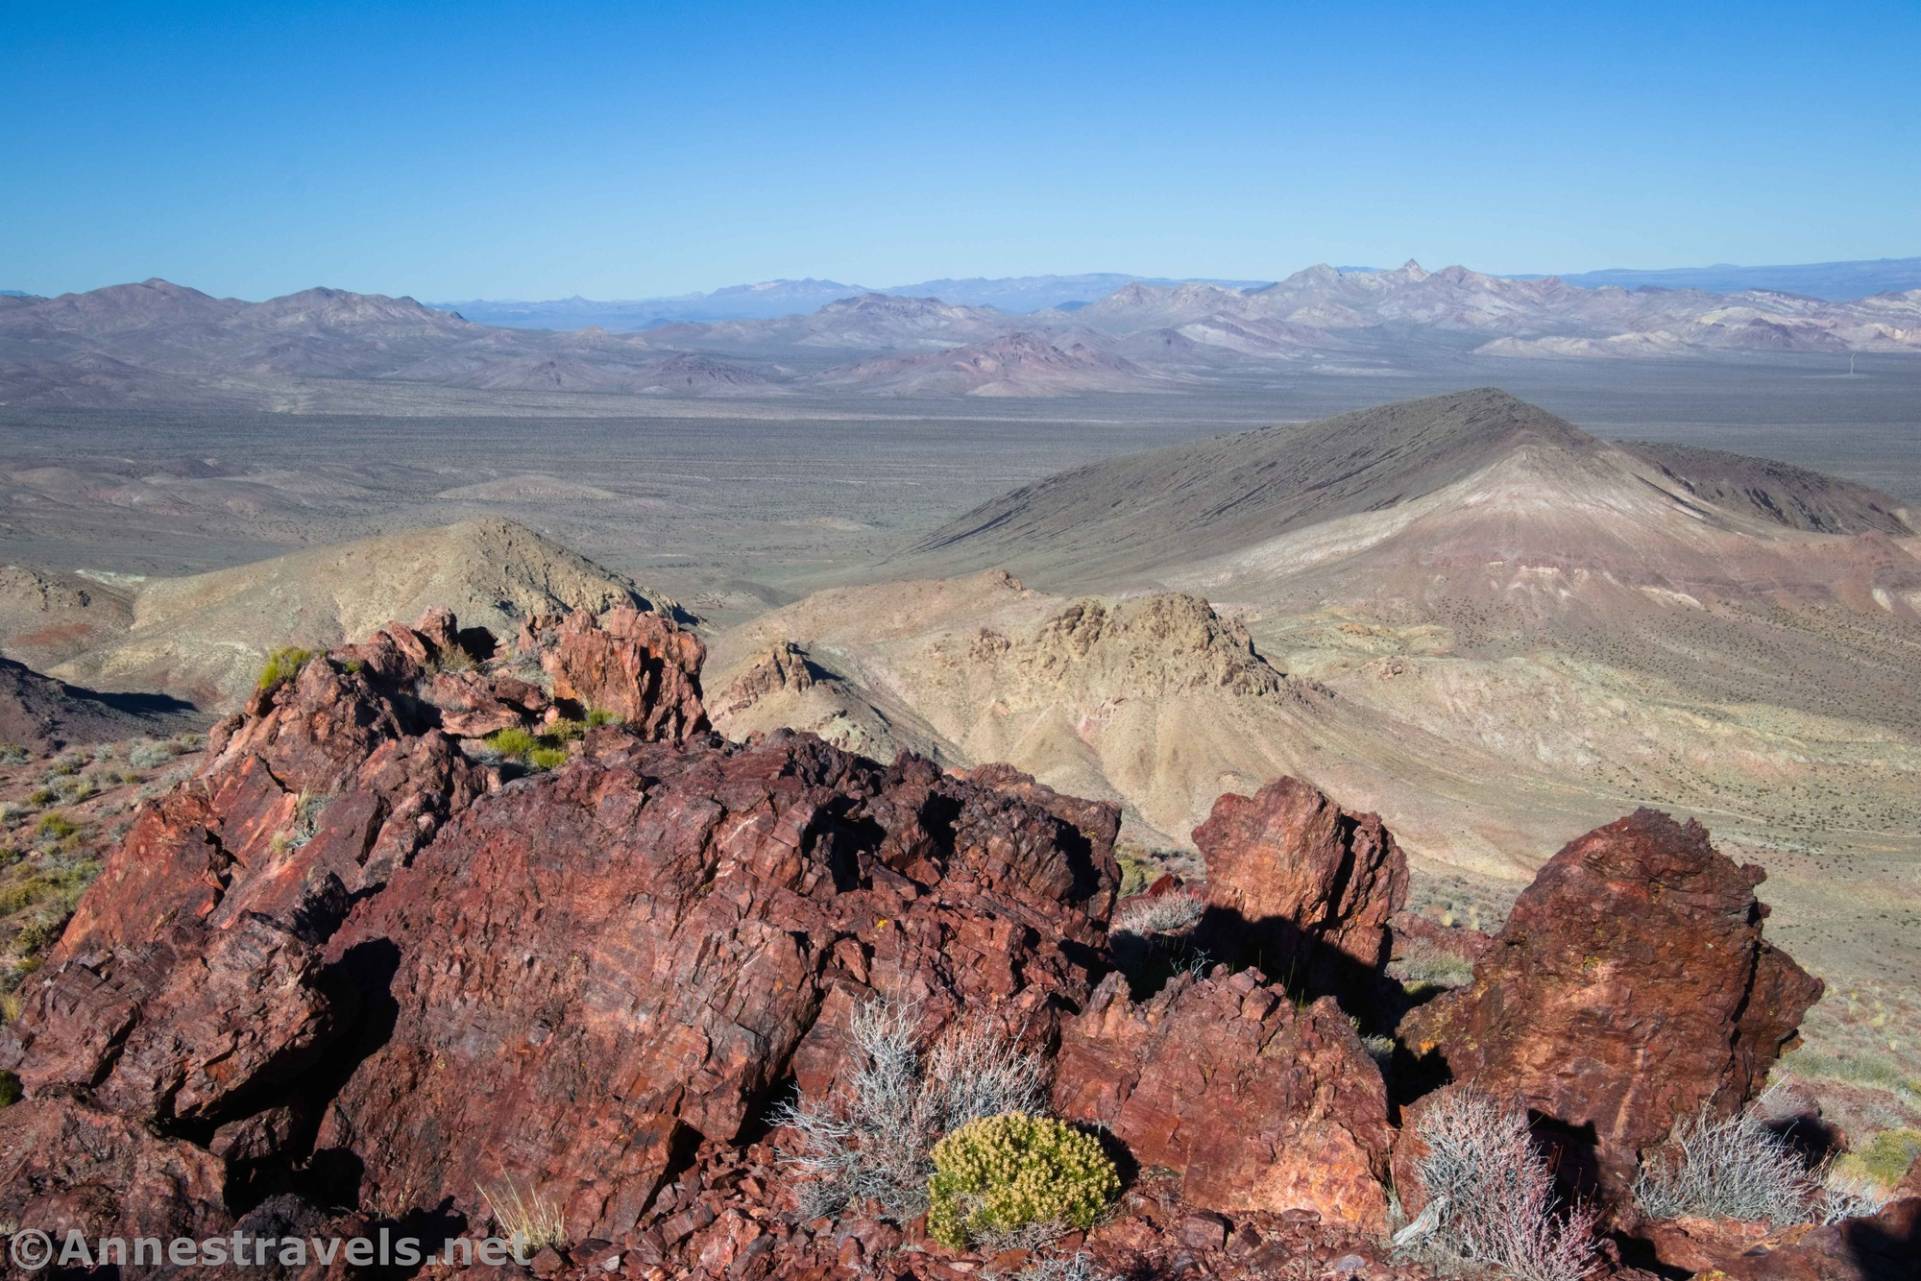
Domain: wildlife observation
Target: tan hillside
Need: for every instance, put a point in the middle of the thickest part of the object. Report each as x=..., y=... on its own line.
x=203, y=637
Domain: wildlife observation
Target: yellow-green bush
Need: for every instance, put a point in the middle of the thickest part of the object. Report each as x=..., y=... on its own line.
x=1004, y=1173
x=1884, y=1158
x=282, y=666
x=513, y=743
x=547, y=758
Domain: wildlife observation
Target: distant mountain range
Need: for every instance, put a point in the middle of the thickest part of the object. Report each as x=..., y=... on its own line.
x=774, y=298
x=162, y=345
x=1831, y=281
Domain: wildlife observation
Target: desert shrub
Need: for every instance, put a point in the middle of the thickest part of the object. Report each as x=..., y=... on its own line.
x=544, y=758
x=872, y=1144
x=1000, y=1175
x=1736, y=1167
x=564, y=730
x=452, y=660
x=530, y=1221
x=1165, y=914
x=42, y=796
x=282, y=665
x=55, y=827
x=1491, y=1202
x=9, y=1089
x=39, y=933
x=514, y=743
x=150, y=755
x=1137, y=871
x=601, y=716
x=1075, y=1267
x=12, y=754
x=76, y=789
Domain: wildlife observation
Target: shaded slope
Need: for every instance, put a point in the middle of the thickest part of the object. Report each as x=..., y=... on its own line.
x=42, y=714
x=1168, y=506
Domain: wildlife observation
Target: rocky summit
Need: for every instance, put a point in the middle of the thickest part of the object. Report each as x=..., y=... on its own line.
x=456, y=936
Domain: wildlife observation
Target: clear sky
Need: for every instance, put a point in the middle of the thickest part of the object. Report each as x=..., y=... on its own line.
x=482, y=149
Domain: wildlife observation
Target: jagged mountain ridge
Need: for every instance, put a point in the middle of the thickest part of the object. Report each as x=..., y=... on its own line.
x=156, y=344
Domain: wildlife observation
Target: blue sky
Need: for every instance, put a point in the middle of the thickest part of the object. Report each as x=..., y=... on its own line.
x=504, y=150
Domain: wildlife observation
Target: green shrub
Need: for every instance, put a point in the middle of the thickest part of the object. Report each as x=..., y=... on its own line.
x=42, y=796
x=564, y=730
x=55, y=827
x=282, y=666
x=1003, y=1173
x=513, y=743
x=601, y=716
x=547, y=758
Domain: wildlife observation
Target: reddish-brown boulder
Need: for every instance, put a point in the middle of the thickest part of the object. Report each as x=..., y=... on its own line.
x=1629, y=987
x=1255, y=1103
x=185, y=1029
x=66, y=1166
x=598, y=965
x=339, y=771
x=1301, y=888
x=640, y=667
x=1098, y=821
x=1880, y=1247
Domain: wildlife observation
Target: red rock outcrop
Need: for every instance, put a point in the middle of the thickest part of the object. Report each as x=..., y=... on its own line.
x=1098, y=821
x=1254, y=1103
x=1880, y=1247
x=640, y=667
x=1302, y=888
x=338, y=772
x=181, y=1030
x=1629, y=987
x=784, y=666
x=596, y=966
x=66, y=1166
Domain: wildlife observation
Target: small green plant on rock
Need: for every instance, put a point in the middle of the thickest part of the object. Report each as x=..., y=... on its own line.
x=545, y=758
x=1005, y=1174
x=283, y=665
x=544, y=751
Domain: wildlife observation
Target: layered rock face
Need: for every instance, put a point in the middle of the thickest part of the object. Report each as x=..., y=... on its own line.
x=1256, y=1104
x=627, y=954
x=638, y=666
x=1302, y=888
x=1630, y=987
